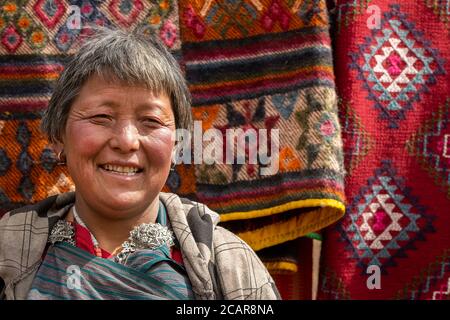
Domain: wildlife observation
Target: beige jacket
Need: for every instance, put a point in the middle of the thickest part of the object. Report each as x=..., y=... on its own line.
x=218, y=263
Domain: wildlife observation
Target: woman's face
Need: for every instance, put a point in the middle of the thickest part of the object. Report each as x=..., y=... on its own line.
x=118, y=143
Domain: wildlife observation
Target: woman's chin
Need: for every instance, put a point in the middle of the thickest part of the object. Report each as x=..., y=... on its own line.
x=125, y=201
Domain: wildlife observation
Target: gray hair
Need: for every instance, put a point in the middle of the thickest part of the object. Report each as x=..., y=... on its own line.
x=135, y=58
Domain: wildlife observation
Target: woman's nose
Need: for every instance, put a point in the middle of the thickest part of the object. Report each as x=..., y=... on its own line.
x=126, y=138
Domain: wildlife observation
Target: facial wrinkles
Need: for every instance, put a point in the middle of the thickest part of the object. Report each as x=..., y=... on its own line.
x=140, y=125
x=77, y=114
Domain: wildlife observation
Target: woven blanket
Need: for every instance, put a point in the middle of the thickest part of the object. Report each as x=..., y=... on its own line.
x=254, y=64
x=267, y=64
x=393, y=80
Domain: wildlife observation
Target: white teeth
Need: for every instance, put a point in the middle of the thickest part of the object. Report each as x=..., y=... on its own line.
x=122, y=170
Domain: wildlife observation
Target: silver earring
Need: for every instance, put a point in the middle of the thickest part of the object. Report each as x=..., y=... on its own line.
x=61, y=158
x=174, y=162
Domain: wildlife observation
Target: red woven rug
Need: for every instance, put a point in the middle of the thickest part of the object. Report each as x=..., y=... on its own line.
x=393, y=81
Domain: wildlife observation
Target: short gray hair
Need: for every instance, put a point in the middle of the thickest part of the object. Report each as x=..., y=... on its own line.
x=135, y=58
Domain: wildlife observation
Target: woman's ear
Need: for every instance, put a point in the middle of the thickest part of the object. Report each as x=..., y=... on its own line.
x=174, y=153
x=57, y=147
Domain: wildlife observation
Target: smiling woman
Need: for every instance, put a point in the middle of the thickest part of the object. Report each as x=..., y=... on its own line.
x=112, y=119
x=120, y=136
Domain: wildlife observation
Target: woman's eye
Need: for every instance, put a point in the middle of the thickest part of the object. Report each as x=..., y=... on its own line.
x=101, y=118
x=104, y=116
x=151, y=121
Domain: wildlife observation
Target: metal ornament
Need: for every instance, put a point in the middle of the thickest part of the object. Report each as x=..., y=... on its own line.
x=145, y=236
x=62, y=231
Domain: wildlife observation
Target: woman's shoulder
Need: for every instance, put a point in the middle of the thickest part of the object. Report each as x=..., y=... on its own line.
x=242, y=273
x=199, y=216
x=44, y=208
x=25, y=229
x=24, y=233
x=188, y=209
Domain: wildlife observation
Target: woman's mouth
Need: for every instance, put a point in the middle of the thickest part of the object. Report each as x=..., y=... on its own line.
x=122, y=170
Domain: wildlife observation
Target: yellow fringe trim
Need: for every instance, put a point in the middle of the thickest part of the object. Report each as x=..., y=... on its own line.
x=295, y=227
x=282, y=208
x=281, y=267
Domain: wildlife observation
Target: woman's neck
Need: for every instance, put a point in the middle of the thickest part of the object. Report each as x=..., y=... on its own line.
x=111, y=233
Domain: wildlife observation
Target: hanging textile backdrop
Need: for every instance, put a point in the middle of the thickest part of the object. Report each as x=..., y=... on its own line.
x=266, y=64
x=256, y=64
x=394, y=88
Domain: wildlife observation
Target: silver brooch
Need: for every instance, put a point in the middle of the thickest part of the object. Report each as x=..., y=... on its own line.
x=146, y=236
x=62, y=231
